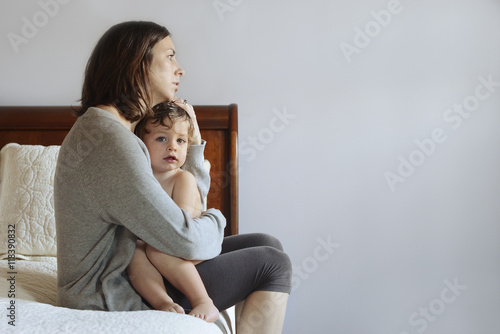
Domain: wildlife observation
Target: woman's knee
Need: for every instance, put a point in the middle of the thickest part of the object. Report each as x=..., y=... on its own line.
x=276, y=270
x=280, y=257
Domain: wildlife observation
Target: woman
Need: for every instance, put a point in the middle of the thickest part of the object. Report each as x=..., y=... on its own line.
x=106, y=195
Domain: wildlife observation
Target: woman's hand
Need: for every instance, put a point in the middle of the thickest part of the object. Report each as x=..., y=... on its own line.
x=190, y=110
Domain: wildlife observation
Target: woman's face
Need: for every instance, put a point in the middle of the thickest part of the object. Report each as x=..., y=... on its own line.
x=165, y=72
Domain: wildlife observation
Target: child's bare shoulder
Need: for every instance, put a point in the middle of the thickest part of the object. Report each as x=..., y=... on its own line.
x=184, y=178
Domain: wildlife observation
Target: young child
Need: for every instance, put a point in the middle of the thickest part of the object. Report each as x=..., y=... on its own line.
x=167, y=136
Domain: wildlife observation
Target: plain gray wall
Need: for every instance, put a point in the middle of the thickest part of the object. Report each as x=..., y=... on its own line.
x=369, y=139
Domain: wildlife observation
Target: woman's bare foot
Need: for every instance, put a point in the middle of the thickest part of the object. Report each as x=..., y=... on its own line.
x=205, y=311
x=171, y=307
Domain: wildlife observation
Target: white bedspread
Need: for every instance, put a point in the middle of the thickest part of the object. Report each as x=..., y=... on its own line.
x=28, y=289
x=34, y=286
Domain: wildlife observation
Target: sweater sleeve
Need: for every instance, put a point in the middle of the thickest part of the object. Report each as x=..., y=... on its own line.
x=120, y=183
x=194, y=165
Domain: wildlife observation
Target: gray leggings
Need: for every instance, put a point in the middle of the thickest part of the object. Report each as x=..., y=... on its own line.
x=247, y=263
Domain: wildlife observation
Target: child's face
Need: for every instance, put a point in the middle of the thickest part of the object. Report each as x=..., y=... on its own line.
x=167, y=147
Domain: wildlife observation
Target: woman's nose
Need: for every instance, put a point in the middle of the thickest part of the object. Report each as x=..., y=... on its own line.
x=180, y=71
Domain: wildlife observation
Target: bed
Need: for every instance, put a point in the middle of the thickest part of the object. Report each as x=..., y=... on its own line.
x=29, y=139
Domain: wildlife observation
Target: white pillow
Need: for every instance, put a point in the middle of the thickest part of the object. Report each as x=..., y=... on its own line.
x=27, y=198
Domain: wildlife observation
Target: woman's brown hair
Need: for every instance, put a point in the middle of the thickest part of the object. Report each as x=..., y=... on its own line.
x=117, y=73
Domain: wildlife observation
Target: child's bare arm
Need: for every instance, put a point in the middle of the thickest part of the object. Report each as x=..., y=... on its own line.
x=185, y=193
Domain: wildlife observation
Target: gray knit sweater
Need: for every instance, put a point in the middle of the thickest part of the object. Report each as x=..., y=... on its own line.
x=106, y=196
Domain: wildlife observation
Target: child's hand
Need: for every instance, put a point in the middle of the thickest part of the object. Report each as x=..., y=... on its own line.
x=190, y=110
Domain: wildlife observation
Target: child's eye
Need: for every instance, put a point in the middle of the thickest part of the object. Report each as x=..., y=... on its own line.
x=181, y=141
x=161, y=139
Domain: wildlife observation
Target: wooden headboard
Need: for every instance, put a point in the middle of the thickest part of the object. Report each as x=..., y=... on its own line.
x=46, y=125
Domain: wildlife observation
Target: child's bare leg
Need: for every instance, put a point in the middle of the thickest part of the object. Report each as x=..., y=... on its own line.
x=148, y=282
x=184, y=276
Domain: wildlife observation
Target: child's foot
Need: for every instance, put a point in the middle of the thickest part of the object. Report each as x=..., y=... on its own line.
x=171, y=307
x=205, y=311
